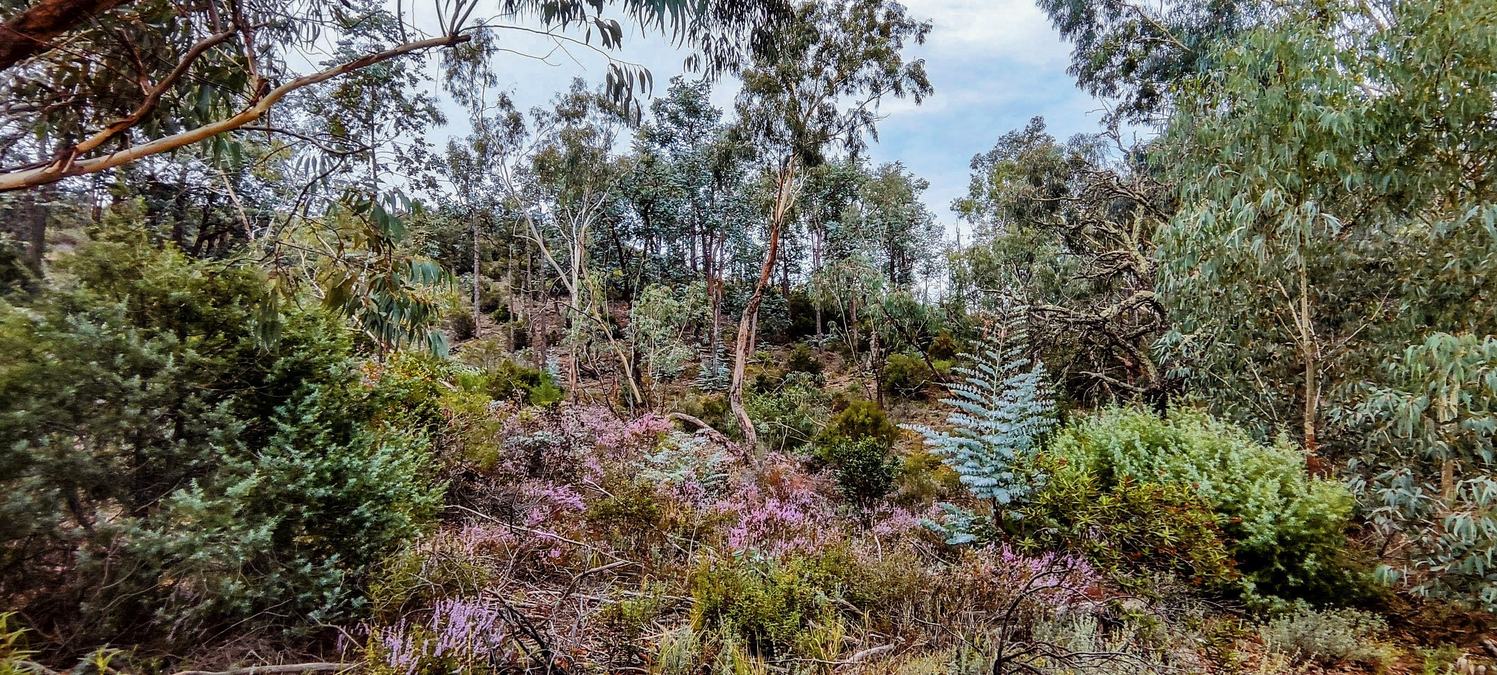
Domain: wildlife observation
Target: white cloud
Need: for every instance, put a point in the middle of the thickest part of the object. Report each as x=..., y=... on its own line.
x=1015, y=30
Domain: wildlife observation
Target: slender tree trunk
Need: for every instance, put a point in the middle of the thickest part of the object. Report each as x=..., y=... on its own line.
x=477, y=282
x=749, y=323
x=817, y=236
x=37, y=211
x=1309, y=346
x=511, y=293
x=179, y=214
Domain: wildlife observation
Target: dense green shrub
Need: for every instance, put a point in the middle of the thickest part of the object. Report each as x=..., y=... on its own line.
x=860, y=419
x=1429, y=467
x=790, y=416
x=1285, y=529
x=768, y=379
x=803, y=360
x=923, y=478
x=168, y=467
x=863, y=466
x=712, y=409
x=1126, y=526
x=769, y=604
x=462, y=327
x=905, y=376
x=513, y=381
x=943, y=347
x=856, y=446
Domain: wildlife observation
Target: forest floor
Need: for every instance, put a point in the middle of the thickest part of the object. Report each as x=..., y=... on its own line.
x=595, y=541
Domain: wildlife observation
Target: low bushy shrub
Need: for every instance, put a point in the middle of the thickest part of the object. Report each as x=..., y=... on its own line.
x=789, y=416
x=768, y=604
x=943, y=347
x=923, y=479
x=803, y=359
x=856, y=446
x=512, y=381
x=712, y=409
x=462, y=327
x=858, y=420
x=1285, y=529
x=1126, y=526
x=864, y=469
x=1331, y=637
x=905, y=376
x=205, y=475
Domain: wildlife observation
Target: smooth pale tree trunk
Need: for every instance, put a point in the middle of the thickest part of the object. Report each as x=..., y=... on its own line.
x=816, y=238
x=1310, y=348
x=477, y=326
x=748, y=325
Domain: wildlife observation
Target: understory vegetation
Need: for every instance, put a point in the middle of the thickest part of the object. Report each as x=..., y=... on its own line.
x=633, y=383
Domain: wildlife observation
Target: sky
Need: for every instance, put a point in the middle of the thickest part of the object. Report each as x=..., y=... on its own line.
x=993, y=63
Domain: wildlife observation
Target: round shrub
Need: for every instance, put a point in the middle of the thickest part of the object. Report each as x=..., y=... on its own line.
x=803, y=360
x=513, y=381
x=864, y=469
x=1164, y=527
x=462, y=327
x=860, y=420
x=905, y=376
x=943, y=347
x=1286, y=529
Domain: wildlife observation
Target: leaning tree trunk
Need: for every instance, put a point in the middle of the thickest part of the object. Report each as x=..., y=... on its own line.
x=748, y=325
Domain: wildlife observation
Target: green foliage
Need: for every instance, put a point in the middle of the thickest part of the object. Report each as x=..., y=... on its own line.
x=923, y=478
x=860, y=420
x=514, y=381
x=1126, y=526
x=629, y=517
x=712, y=409
x=1331, y=636
x=943, y=347
x=13, y=652
x=789, y=416
x=1285, y=529
x=658, y=320
x=855, y=446
x=1002, y=409
x=905, y=376
x=202, y=476
x=803, y=360
x=423, y=572
x=864, y=468
x=1329, y=215
x=1137, y=55
x=1432, y=473
x=771, y=605
x=462, y=327
x=1067, y=230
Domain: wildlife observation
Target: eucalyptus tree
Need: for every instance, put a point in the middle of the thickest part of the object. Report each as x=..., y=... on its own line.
x=833, y=64
x=830, y=190
x=706, y=170
x=1066, y=231
x=576, y=176
x=466, y=166
x=1338, y=203
x=96, y=84
x=1137, y=54
x=900, y=231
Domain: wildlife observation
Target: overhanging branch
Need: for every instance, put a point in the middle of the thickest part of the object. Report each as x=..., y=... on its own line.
x=69, y=166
